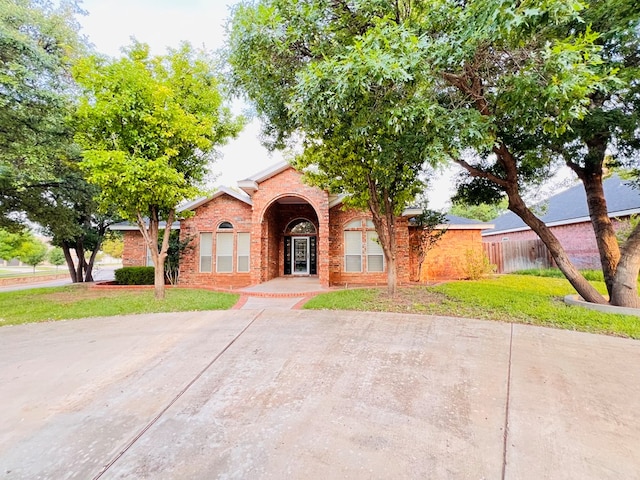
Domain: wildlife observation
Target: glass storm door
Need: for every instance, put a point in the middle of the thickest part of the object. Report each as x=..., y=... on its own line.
x=300, y=254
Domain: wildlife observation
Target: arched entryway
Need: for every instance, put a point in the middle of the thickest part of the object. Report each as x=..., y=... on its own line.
x=290, y=235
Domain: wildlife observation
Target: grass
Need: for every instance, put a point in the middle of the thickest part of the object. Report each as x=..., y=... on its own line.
x=16, y=273
x=512, y=298
x=78, y=301
x=591, y=275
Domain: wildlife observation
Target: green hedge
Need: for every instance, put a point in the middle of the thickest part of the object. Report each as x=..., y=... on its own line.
x=135, y=276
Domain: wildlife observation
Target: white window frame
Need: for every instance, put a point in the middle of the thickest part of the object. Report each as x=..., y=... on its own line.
x=352, y=248
x=206, y=251
x=243, y=252
x=374, y=249
x=224, y=251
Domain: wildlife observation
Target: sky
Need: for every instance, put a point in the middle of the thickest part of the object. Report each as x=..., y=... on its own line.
x=110, y=25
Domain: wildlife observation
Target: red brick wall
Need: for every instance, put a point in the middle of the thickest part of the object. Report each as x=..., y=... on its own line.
x=135, y=249
x=449, y=258
x=337, y=276
x=206, y=220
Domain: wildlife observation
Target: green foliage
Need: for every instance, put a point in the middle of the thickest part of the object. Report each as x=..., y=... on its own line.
x=113, y=246
x=349, y=80
x=38, y=42
x=591, y=275
x=10, y=243
x=177, y=249
x=77, y=301
x=56, y=256
x=135, y=276
x=484, y=212
x=32, y=251
x=147, y=127
x=513, y=298
x=477, y=265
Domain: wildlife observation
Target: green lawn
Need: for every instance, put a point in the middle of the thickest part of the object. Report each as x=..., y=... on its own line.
x=513, y=298
x=78, y=301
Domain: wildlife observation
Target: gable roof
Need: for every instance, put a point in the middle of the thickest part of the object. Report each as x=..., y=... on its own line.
x=250, y=184
x=243, y=197
x=570, y=206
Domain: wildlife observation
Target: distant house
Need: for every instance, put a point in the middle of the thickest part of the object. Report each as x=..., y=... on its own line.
x=567, y=215
x=275, y=225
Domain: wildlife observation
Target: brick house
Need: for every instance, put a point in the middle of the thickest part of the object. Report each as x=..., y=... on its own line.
x=275, y=225
x=567, y=215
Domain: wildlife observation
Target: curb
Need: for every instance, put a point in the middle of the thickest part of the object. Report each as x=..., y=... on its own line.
x=577, y=300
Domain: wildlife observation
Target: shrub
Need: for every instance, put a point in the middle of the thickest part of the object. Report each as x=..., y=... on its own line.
x=135, y=276
x=477, y=265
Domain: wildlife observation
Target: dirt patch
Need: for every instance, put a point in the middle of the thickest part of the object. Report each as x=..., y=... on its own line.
x=408, y=300
x=78, y=292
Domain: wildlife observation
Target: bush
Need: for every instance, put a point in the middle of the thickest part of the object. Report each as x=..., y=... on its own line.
x=477, y=265
x=135, y=276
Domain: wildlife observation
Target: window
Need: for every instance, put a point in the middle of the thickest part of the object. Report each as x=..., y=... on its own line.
x=353, y=251
x=224, y=252
x=206, y=249
x=300, y=227
x=375, y=255
x=225, y=226
x=244, y=249
x=356, y=233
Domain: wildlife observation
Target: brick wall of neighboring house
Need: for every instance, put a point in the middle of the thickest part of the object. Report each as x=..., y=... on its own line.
x=449, y=259
x=339, y=218
x=206, y=220
x=134, y=253
x=578, y=240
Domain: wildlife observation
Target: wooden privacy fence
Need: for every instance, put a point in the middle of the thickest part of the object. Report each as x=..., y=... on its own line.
x=519, y=255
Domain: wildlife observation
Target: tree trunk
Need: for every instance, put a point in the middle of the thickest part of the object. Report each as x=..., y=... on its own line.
x=70, y=265
x=575, y=278
x=158, y=279
x=385, y=223
x=591, y=177
x=624, y=292
x=392, y=276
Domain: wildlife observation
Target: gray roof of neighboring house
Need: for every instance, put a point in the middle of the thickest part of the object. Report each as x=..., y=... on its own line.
x=570, y=206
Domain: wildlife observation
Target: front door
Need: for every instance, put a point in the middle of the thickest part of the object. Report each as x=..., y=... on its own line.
x=300, y=255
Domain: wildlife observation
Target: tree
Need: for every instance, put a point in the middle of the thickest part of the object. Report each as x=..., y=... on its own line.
x=610, y=127
x=31, y=251
x=113, y=245
x=37, y=45
x=39, y=176
x=536, y=86
x=10, y=244
x=485, y=212
x=147, y=126
x=335, y=75
x=56, y=257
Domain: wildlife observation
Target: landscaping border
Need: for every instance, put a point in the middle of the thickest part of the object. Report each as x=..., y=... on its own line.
x=578, y=301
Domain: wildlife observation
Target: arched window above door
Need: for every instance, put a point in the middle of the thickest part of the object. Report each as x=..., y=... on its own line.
x=300, y=226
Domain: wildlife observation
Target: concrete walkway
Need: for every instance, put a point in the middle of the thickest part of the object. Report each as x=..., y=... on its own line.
x=316, y=395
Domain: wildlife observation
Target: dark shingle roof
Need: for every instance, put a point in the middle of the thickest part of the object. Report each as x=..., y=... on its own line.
x=570, y=206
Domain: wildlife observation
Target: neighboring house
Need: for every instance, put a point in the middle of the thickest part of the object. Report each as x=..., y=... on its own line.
x=275, y=225
x=567, y=215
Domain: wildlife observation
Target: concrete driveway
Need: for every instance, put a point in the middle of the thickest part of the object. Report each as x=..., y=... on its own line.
x=315, y=395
